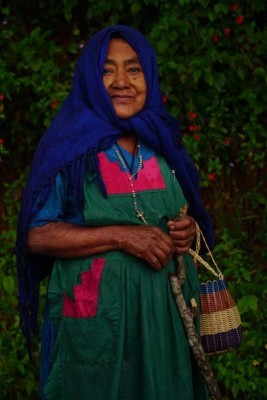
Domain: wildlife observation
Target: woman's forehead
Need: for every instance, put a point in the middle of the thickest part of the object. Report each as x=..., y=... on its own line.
x=119, y=48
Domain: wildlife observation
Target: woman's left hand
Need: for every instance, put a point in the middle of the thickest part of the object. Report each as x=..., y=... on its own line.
x=183, y=233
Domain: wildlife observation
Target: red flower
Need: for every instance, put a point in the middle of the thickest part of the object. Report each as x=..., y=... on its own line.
x=215, y=38
x=226, y=31
x=227, y=141
x=233, y=7
x=240, y=19
x=2, y=97
x=212, y=176
x=1, y=142
x=192, y=115
x=54, y=103
x=165, y=99
x=196, y=136
x=193, y=128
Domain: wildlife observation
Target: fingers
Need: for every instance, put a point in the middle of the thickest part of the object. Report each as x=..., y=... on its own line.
x=159, y=257
x=158, y=250
x=183, y=233
x=150, y=244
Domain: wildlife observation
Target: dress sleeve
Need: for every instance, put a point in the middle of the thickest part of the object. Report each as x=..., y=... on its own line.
x=59, y=206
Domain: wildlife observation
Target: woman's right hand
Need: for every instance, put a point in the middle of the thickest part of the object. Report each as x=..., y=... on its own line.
x=148, y=243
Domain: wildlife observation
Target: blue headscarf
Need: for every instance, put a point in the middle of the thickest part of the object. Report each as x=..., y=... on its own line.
x=85, y=125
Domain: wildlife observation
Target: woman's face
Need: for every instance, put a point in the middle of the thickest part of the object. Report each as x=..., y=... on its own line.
x=123, y=79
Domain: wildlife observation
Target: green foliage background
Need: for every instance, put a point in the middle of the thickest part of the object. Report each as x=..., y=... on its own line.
x=212, y=62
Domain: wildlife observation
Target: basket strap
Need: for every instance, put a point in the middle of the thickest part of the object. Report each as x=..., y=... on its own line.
x=196, y=256
x=198, y=244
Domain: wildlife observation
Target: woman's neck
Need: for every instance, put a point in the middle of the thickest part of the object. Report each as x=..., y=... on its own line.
x=128, y=142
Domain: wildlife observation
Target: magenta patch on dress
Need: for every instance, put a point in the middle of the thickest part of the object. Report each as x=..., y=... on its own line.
x=85, y=300
x=117, y=182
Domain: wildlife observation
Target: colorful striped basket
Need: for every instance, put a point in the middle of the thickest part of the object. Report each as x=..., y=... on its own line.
x=220, y=323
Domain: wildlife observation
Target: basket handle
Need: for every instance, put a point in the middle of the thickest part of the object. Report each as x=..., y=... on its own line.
x=196, y=256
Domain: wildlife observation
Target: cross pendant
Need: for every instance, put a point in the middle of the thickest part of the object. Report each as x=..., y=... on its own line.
x=140, y=215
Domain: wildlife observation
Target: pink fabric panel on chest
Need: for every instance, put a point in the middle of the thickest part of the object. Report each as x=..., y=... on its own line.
x=116, y=181
x=86, y=293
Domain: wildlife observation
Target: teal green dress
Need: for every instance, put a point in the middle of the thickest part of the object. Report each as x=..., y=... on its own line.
x=119, y=335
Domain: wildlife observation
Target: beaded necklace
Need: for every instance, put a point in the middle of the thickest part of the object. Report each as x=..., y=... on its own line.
x=131, y=177
x=136, y=149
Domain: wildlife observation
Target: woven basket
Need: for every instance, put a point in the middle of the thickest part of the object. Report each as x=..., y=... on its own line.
x=220, y=323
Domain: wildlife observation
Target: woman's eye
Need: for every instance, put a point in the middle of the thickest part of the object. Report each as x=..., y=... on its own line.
x=135, y=70
x=107, y=71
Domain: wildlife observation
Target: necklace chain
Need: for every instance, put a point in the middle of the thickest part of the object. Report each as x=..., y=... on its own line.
x=139, y=214
x=136, y=150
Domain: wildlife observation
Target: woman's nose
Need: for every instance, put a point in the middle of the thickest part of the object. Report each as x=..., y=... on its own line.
x=121, y=79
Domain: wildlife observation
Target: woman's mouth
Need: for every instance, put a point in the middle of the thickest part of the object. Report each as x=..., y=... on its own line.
x=121, y=98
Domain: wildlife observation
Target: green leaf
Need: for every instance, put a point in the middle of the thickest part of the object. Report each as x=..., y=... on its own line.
x=196, y=75
x=183, y=78
x=162, y=45
x=68, y=8
x=9, y=284
x=211, y=15
x=247, y=303
x=135, y=8
x=260, y=71
x=221, y=8
x=184, y=2
x=209, y=79
x=235, y=389
x=30, y=386
x=204, y=3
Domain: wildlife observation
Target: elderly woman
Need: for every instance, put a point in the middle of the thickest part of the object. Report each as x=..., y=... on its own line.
x=97, y=216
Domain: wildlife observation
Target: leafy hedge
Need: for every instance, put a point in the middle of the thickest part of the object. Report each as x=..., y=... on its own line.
x=212, y=62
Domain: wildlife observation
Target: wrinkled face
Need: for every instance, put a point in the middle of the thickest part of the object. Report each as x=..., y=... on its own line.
x=123, y=79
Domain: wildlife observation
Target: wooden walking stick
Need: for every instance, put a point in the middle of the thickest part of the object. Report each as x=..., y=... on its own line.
x=187, y=314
